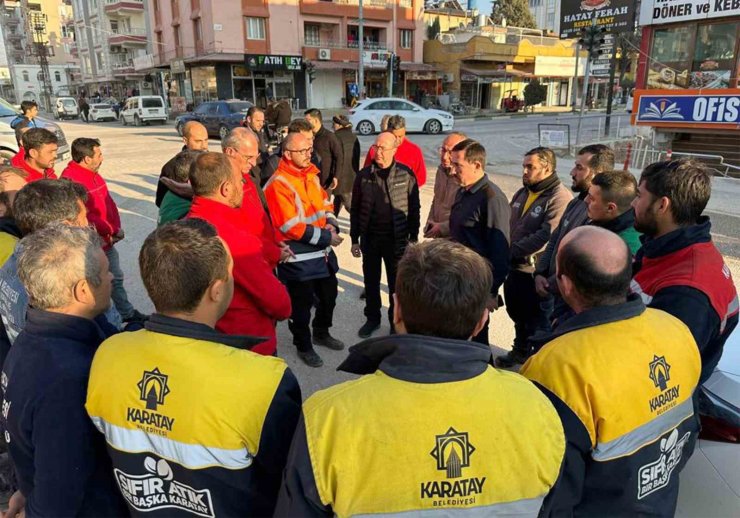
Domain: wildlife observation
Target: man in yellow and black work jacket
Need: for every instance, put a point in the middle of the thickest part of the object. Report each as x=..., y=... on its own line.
x=622, y=378
x=431, y=426
x=196, y=424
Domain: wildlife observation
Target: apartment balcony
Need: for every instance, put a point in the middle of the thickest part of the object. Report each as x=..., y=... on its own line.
x=123, y=8
x=123, y=67
x=11, y=20
x=380, y=10
x=129, y=38
x=344, y=44
x=14, y=36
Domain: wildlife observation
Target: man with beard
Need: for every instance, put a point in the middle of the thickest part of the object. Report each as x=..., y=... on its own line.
x=536, y=210
x=328, y=148
x=591, y=160
x=679, y=269
x=446, y=185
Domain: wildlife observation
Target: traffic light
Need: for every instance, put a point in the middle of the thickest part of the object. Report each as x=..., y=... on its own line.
x=592, y=39
x=396, y=63
x=311, y=70
x=389, y=62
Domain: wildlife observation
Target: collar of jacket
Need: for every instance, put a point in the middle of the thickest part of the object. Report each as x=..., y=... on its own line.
x=322, y=131
x=595, y=317
x=478, y=185
x=158, y=323
x=678, y=239
x=65, y=327
x=213, y=208
x=77, y=167
x=550, y=182
x=8, y=225
x=418, y=359
x=618, y=224
x=290, y=168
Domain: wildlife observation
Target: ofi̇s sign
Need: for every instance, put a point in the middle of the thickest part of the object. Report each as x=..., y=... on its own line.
x=708, y=108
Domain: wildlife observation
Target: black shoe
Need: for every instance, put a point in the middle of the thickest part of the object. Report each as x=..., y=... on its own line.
x=368, y=328
x=511, y=359
x=326, y=340
x=136, y=316
x=310, y=358
x=363, y=295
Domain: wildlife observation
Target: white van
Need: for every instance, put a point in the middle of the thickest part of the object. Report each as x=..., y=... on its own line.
x=66, y=108
x=143, y=108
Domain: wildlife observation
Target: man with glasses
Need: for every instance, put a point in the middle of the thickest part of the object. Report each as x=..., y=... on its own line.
x=409, y=154
x=302, y=214
x=479, y=218
x=445, y=190
x=268, y=168
x=384, y=218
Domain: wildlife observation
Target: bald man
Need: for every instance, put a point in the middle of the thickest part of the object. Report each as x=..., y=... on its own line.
x=621, y=377
x=195, y=138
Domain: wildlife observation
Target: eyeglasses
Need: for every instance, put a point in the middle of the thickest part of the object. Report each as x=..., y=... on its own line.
x=444, y=150
x=306, y=151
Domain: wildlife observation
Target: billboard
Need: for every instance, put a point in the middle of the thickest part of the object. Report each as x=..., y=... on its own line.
x=613, y=15
x=688, y=108
x=655, y=12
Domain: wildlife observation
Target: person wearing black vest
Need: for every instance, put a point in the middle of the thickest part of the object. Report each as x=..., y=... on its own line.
x=384, y=218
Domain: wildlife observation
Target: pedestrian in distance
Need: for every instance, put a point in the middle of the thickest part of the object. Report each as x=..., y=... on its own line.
x=84, y=108
x=414, y=402
x=29, y=112
x=328, y=148
x=384, y=219
x=59, y=459
x=621, y=377
x=302, y=215
x=212, y=421
x=409, y=154
x=479, y=218
x=446, y=186
x=350, y=163
x=195, y=138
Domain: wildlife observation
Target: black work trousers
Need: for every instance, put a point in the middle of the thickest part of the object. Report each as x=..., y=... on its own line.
x=303, y=296
x=377, y=250
x=525, y=308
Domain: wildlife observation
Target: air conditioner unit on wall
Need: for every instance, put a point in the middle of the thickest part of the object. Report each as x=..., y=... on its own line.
x=324, y=54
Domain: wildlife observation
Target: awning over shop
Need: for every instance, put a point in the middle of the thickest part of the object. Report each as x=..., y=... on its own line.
x=216, y=57
x=489, y=72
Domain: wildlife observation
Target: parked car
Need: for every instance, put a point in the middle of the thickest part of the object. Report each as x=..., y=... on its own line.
x=219, y=117
x=367, y=114
x=8, y=143
x=102, y=112
x=143, y=109
x=66, y=108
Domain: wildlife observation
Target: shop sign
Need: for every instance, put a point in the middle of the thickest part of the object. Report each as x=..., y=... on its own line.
x=654, y=12
x=375, y=58
x=613, y=15
x=551, y=66
x=468, y=77
x=273, y=62
x=421, y=76
x=177, y=66
x=688, y=108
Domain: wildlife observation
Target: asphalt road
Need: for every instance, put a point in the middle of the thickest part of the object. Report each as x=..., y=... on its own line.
x=133, y=158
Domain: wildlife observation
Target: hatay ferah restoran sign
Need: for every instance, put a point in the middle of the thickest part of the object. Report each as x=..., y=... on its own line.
x=612, y=15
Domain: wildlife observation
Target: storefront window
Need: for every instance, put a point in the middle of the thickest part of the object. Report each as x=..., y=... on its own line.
x=204, y=84
x=671, y=58
x=242, y=82
x=714, y=55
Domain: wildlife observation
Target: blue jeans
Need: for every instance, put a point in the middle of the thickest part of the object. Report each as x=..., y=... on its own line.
x=119, y=296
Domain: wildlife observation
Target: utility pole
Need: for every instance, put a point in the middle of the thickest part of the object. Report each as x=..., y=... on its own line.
x=592, y=38
x=38, y=25
x=361, y=50
x=610, y=93
x=574, y=93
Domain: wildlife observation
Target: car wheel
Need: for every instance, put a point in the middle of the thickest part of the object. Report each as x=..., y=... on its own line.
x=434, y=127
x=223, y=132
x=137, y=120
x=365, y=128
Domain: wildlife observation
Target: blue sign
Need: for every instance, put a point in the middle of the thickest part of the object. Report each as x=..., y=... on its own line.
x=690, y=108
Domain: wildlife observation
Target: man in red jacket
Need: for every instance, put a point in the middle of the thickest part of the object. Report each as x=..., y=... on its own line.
x=102, y=213
x=259, y=298
x=40, y=151
x=408, y=153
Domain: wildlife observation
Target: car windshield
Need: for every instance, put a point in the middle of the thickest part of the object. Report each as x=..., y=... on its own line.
x=239, y=107
x=69, y=102
x=151, y=102
x=101, y=106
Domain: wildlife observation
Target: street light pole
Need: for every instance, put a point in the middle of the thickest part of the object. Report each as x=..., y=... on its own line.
x=360, y=48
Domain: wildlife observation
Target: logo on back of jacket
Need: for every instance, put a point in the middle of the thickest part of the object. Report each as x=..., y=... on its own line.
x=452, y=452
x=660, y=375
x=152, y=391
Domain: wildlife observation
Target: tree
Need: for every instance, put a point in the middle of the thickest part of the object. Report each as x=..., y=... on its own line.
x=433, y=30
x=534, y=93
x=516, y=13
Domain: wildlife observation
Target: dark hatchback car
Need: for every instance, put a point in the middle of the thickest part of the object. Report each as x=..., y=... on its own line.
x=219, y=117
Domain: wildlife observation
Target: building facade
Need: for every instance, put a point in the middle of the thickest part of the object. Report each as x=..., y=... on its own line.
x=688, y=89
x=109, y=36
x=256, y=49
x=547, y=14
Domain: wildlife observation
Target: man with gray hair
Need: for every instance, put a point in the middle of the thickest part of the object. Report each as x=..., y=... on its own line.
x=60, y=460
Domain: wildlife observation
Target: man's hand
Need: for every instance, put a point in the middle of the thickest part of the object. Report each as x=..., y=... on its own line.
x=335, y=239
x=285, y=252
x=331, y=228
x=334, y=184
x=433, y=230
x=16, y=506
x=184, y=190
x=356, y=252
x=492, y=304
x=118, y=236
x=541, y=286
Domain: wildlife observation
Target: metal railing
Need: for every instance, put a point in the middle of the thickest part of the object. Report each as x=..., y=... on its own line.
x=339, y=44
x=124, y=31
x=111, y=2
x=643, y=155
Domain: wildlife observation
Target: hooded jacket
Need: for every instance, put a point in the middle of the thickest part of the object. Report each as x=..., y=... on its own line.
x=260, y=300
x=102, y=211
x=403, y=439
x=624, y=226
